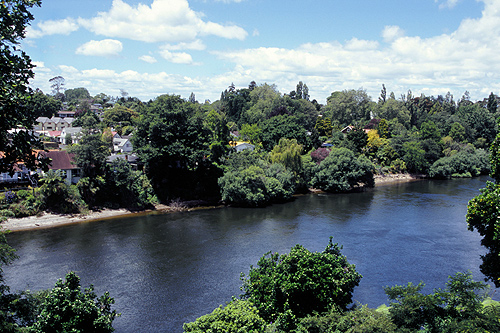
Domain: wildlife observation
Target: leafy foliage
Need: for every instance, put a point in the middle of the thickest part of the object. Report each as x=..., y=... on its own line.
x=453, y=309
x=69, y=309
x=17, y=101
x=294, y=285
x=342, y=171
x=237, y=316
x=461, y=164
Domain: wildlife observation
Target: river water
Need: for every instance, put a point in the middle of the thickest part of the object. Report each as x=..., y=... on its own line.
x=164, y=270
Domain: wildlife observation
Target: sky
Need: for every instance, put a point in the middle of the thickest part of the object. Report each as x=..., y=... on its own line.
x=152, y=47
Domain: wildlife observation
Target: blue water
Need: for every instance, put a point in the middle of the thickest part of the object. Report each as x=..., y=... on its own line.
x=164, y=270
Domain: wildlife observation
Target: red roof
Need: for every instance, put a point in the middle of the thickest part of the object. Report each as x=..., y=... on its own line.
x=54, y=133
x=61, y=160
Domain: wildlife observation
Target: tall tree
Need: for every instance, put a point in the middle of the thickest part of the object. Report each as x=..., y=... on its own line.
x=483, y=215
x=56, y=84
x=16, y=69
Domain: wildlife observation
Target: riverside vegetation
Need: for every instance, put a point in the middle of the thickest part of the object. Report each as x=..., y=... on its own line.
x=183, y=148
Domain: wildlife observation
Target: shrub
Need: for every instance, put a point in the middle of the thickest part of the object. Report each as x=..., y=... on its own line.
x=294, y=285
x=237, y=316
x=342, y=171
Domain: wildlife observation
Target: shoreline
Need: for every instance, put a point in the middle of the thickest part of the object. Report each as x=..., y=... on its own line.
x=49, y=220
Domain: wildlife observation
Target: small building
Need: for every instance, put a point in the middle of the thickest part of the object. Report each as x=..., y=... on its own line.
x=62, y=162
x=74, y=132
x=122, y=146
x=243, y=146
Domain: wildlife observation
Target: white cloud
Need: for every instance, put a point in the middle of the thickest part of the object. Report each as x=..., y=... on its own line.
x=163, y=21
x=391, y=33
x=61, y=27
x=196, y=45
x=177, y=57
x=448, y=4
x=466, y=59
x=101, y=48
x=149, y=59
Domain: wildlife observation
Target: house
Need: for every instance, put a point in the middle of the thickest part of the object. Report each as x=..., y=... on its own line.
x=66, y=114
x=243, y=145
x=122, y=146
x=74, y=132
x=347, y=129
x=62, y=162
x=52, y=124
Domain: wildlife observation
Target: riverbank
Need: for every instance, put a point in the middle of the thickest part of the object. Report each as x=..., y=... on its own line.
x=50, y=220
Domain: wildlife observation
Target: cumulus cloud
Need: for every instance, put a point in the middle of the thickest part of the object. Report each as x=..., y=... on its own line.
x=61, y=27
x=149, y=59
x=177, y=57
x=391, y=33
x=164, y=21
x=196, y=45
x=463, y=60
x=448, y=4
x=101, y=48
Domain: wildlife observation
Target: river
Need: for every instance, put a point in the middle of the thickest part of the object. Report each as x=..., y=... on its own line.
x=164, y=270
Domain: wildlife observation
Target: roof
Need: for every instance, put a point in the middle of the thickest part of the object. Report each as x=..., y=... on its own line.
x=54, y=133
x=61, y=159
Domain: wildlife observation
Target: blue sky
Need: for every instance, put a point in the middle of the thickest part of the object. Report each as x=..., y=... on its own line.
x=152, y=47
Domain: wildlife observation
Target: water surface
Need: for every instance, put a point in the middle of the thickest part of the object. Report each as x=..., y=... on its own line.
x=164, y=270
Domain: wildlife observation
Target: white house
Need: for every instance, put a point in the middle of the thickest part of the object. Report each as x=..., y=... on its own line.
x=122, y=145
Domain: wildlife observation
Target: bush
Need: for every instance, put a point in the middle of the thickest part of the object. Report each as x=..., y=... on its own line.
x=237, y=316
x=459, y=165
x=294, y=285
x=342, y=171
x=359, y=320
x=257, y=185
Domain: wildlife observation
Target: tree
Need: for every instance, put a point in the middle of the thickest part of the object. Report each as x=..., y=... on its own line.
x=288, y=152
x=282, y=127
x=342, y=171
x=56, y=84
x=15, y=94
x=348, y=107
x=237, y=316
x=294, y=285
x=76, y=94
x=457, y=308
x=483, y=215
x=69, y=309
x=492, y=103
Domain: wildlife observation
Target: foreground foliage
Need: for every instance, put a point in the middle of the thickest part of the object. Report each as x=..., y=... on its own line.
x=483, y=215
x=294, y=285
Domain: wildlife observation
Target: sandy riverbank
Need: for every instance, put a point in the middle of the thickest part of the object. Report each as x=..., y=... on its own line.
x=49, y=220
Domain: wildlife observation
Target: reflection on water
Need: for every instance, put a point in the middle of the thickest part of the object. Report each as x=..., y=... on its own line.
x=164, y=270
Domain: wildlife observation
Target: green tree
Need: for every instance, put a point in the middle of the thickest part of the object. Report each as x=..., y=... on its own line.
x=288, y=152
x=342, y=171
x=16, y=70
x=251, y=133
x=59, y=197
x=414, y=157
x=69, y=309
x=283, y=126
x=76, y=94
x=483, y=215
x=457, y=308
x=237, y=316
x=128, y=188
x=348, y=107
x=257, y=185
x=294, y=285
